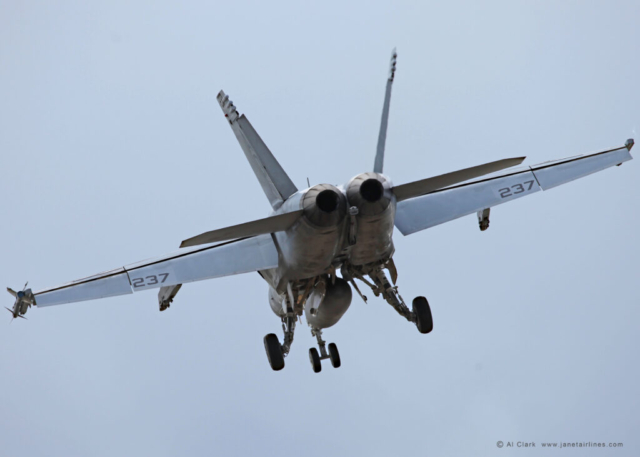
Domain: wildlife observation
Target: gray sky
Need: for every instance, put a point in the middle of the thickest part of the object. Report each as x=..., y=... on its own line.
x=113, y=150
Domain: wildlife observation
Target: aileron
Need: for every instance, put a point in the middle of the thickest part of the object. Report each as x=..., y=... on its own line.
x=108, y=284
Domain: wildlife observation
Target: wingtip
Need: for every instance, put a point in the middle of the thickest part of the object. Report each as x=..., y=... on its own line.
x=629, y=144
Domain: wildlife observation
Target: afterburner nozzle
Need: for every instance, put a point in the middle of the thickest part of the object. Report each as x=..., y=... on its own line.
x=370, y=193
x=324, y=205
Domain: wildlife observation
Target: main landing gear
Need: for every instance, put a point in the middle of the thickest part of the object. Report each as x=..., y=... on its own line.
x=420, y=314
x=276, y=352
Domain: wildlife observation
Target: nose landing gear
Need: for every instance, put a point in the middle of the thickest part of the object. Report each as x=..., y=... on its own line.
x=316, y=357
x=334, y=355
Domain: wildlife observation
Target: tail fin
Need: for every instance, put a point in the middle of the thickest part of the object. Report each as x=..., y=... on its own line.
x=275, y=183
x=382, y=136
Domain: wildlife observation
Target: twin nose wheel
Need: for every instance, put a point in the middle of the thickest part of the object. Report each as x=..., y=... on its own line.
x=315, y=359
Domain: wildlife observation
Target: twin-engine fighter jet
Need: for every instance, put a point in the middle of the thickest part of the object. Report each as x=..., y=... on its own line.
x=319, y=241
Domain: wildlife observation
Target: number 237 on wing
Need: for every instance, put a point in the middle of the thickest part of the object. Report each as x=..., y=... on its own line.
x=516, y=189
x=150, y=280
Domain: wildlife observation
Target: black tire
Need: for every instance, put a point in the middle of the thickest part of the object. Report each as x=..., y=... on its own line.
x=334, y=355
x=422, y=310
x=314, y=358
x=274, y=352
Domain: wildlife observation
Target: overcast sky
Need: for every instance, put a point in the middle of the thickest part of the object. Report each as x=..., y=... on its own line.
x=113, y=149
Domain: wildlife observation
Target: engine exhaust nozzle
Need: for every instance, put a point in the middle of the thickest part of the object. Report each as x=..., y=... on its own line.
x=370, y=193
x=371, y=190
x=324, y=205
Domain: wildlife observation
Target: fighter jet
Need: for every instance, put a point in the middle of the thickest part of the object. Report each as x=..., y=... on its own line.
x=321, y=242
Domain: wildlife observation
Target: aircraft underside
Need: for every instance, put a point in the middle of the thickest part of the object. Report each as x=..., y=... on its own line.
x=325, y=298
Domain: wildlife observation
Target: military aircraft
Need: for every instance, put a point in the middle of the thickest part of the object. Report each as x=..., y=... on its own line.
x=318, y=241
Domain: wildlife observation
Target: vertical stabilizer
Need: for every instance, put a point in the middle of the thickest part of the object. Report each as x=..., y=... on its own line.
x=275, y=183
x=382, y=136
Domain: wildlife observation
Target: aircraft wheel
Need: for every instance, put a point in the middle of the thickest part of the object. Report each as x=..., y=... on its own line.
x=334, y=355
x=422, y=310
x=274, y=352
x=314, y=358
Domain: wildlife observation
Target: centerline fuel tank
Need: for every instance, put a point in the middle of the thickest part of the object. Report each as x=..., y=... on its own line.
x=328, y=302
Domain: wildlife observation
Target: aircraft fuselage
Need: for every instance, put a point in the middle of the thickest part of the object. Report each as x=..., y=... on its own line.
x=351, y=223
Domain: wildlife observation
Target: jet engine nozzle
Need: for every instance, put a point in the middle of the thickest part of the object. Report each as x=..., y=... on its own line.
x=370, y=193
x=324, y=205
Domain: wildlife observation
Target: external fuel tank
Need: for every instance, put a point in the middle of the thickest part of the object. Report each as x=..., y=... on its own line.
x=328, y=302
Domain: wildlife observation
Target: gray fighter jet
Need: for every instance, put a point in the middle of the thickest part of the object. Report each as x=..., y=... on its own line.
x=319, y=241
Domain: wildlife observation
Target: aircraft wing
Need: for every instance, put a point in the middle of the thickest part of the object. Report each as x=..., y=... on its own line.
x=450, y=203
x=187, y=265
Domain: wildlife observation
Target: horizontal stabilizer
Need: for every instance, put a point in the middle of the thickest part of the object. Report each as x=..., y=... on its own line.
x=424, y=186
x=271, y=224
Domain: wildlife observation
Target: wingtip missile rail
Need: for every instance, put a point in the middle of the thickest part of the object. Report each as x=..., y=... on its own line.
x=24, y=300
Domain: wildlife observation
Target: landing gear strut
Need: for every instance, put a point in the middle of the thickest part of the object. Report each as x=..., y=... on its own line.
x=288, y=326
x=390, y=293
x=420, y=313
